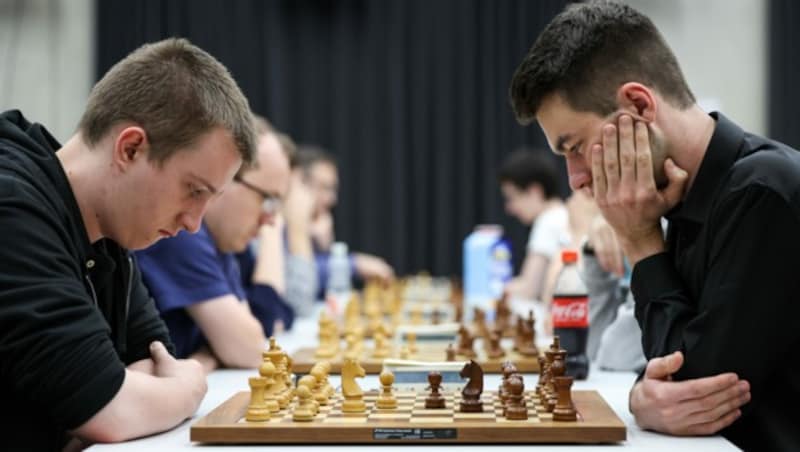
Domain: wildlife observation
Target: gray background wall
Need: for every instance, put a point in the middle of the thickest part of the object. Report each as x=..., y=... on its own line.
x=722, y=48
x=46, y=60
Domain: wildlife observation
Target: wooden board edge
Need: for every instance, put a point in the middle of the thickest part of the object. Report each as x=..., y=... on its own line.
x=221, y=426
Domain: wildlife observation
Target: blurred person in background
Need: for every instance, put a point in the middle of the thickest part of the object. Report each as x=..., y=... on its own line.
x=283, y=254
x=529, y=184
x=318, y=169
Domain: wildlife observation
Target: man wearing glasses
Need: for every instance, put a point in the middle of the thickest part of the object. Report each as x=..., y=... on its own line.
x=197, y=282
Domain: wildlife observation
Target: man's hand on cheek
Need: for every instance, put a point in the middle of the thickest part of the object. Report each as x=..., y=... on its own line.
x=625, y=188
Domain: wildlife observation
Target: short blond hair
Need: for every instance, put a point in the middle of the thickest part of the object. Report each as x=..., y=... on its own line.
x=176, y=92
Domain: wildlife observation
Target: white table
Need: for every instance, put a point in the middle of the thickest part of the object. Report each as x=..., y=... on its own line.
x=613, y=386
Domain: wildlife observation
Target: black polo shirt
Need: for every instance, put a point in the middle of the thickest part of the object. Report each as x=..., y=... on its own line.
x=73, y=314
x=727, y=290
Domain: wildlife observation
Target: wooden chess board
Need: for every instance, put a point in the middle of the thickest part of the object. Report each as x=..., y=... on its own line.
x=304, y=359
x=410, y=422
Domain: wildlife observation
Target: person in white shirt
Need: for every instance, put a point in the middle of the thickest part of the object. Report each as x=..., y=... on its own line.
x=529, y=183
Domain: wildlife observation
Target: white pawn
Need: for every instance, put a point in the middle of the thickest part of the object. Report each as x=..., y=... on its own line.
x=386, y=400
x=304, y=411
x=320, y=391
x=309, y=382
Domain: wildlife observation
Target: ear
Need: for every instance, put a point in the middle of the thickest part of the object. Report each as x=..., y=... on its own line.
x=638, y=100
x=535, y=189
x=131, y=144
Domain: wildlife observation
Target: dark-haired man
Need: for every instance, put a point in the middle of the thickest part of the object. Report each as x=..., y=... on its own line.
x=83, y=353
x=716, y=299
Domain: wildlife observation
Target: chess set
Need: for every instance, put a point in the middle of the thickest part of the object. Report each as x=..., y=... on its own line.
x=305, y=358
x=274, y=411
x=416, y=301
x=523, y=352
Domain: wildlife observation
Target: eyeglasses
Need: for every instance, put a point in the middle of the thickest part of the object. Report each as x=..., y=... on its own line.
x=271, y=202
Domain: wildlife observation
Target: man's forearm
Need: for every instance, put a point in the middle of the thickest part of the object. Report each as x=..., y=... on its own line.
x=269, y=265
x=663, y=305
x=140, y=408
x=145, y=366
x=519, y=287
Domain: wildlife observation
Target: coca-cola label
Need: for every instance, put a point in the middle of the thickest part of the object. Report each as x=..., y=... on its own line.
x=571, y=312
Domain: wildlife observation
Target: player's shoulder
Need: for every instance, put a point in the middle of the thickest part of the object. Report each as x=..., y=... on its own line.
x=189, y=257
x=769, y=164
x=17, y=181
x=188, y=245
x=768, y=156
x=554, y=216
x=30, y=181
x=32, y=201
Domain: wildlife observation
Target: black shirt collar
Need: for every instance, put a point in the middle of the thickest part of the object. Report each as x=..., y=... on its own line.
x=722, y=152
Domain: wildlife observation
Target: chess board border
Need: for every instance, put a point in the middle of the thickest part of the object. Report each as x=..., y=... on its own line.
x=597, y=424
x=304, y=359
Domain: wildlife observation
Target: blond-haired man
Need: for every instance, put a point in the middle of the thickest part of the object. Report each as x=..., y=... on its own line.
x=84, y=354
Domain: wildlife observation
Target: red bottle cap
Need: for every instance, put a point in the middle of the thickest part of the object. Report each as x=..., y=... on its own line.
x=569, y=256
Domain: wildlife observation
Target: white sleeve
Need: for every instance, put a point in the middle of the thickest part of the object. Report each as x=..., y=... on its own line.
x=549, y=233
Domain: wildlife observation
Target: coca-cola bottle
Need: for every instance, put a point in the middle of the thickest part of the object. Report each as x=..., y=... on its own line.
x=571, y=315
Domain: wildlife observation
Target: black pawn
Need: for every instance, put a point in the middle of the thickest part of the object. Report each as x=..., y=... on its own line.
x=435, y=399
x=515, y=410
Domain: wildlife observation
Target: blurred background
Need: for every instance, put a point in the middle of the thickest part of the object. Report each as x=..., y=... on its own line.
x=410, y=96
